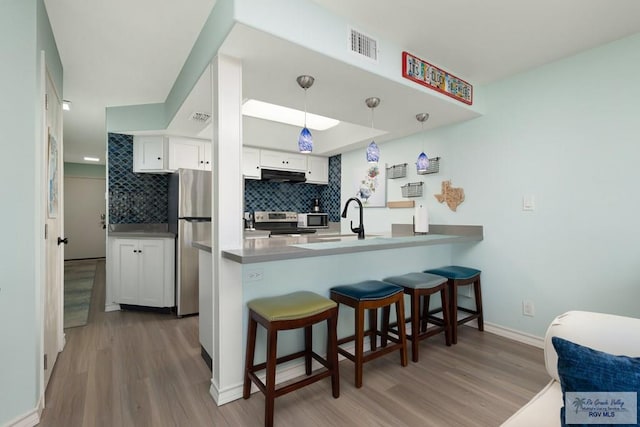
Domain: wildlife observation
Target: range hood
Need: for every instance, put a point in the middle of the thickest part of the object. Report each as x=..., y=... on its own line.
x=282, y=176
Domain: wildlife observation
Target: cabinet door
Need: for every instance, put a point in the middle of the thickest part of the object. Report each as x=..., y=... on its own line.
x=207, y=155
x=185, y=153
x=317, y=170
x=251, y=163
x=151, y=280
x=149, y=153
x=125, y=270
x=283, y=161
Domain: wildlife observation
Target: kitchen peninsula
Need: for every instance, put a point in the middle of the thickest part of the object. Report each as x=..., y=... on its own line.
x=274, y=266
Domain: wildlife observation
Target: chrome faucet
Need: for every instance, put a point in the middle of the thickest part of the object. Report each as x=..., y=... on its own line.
x=360, y=229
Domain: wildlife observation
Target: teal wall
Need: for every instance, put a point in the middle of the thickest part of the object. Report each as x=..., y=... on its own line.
x=84, y=170
x=24, y=32
x=567, y=134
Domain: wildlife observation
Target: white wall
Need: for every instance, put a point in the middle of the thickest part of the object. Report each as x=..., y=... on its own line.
x=566, y=133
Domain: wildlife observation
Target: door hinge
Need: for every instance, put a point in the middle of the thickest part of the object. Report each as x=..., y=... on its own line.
x=46, y=101
x=45, y=362
x=46, y=231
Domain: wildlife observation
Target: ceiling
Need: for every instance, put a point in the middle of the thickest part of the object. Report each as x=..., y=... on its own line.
x=125, y=52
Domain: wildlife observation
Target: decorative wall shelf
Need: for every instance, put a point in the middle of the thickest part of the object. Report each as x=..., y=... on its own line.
x=412, y=189
x=434, y=166
x=397, y=171
x=401, y=204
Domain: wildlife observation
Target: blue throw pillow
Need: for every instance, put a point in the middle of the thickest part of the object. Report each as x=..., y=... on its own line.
x=582, y=369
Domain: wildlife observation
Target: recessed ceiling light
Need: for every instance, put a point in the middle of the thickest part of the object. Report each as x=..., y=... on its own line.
x=66, y=105
x=290, y=116
x=92, y=159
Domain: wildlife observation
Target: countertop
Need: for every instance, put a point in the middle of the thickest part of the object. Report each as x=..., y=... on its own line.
x=292, y=247
x=137, y=231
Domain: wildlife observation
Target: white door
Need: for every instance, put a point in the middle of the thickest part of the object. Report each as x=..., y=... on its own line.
x=84, y=205
x=151, y=285
x=52, y=335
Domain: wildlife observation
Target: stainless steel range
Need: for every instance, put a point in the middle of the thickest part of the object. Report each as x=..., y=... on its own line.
x=279, y=223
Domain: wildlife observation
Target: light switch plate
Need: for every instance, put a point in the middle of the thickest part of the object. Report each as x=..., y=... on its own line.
x=528, y=203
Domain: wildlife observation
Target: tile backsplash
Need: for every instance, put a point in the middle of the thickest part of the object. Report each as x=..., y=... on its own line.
x=142, y=198
x=284, y=196
x=134, y=198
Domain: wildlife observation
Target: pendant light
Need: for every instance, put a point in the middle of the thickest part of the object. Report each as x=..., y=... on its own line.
x=305, y=141
x=422, y=164
x=373, y=152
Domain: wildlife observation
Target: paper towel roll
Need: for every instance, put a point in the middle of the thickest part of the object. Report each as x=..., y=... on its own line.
x=421, y=219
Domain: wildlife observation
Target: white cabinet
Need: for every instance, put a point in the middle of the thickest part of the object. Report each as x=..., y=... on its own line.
x=150, y=154
x=317, y=170
x=188, y=153
x=142, y=271
x=283, y=161
x=251, y=163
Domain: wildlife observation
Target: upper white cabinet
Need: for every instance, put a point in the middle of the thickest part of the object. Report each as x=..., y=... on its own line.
x=251, y=163
x=255, y=159
x=283, y=161
x=317, y=170
x=150, y=154
x=188, y=153
x=162, y=154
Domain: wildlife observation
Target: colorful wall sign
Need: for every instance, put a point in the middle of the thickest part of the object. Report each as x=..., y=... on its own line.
x=421, y=72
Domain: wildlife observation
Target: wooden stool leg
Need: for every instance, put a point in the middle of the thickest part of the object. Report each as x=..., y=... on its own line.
x=332, y=354
x=269, y=397
x=248, y=360
x=426, y=300
x=401, y=330
x=478, y=294
x=308, y=348
x=446, y=316
x=359, y=350
x=386, y=312
x=453, y=313
x=415, y=324
x=373, y=329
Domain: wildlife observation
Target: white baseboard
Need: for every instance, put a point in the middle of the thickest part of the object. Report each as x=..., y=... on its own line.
x=512, y=334
x=111, y=307
x=30, y=419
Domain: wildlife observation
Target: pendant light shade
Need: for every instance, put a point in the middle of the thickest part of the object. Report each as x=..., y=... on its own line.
x=305, y=140
x=422, y=164
x=373, y=152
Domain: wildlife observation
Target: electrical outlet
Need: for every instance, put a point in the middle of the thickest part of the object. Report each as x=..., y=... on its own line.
x=466, y=291
x=528, y=309
x=255, y=275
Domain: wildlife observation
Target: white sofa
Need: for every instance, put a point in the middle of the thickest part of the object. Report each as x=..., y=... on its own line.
x=617, y=335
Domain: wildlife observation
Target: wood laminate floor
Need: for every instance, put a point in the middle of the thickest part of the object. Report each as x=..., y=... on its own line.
x=144, y=369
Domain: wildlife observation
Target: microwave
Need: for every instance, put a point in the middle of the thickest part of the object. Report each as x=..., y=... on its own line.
x=313, y=220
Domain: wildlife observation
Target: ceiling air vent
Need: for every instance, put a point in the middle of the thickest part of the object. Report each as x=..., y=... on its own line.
x=363, y=45
x=200, y=117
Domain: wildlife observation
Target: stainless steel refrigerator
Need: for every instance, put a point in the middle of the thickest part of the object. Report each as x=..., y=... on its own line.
x=190, y=220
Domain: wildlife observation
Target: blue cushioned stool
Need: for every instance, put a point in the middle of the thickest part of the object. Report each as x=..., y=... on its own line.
x=371, y=295
x=461, y=276
x=420, y=287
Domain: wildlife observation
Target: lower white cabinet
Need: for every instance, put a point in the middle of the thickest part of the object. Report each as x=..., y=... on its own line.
x=142, y=271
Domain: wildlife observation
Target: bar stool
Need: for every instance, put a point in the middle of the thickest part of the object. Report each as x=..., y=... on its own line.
x=461, y=276
x=292, y=311
x=420, y=287
x=371, y=295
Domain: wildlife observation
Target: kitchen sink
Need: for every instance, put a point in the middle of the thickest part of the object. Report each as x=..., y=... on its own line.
x=342, y=242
